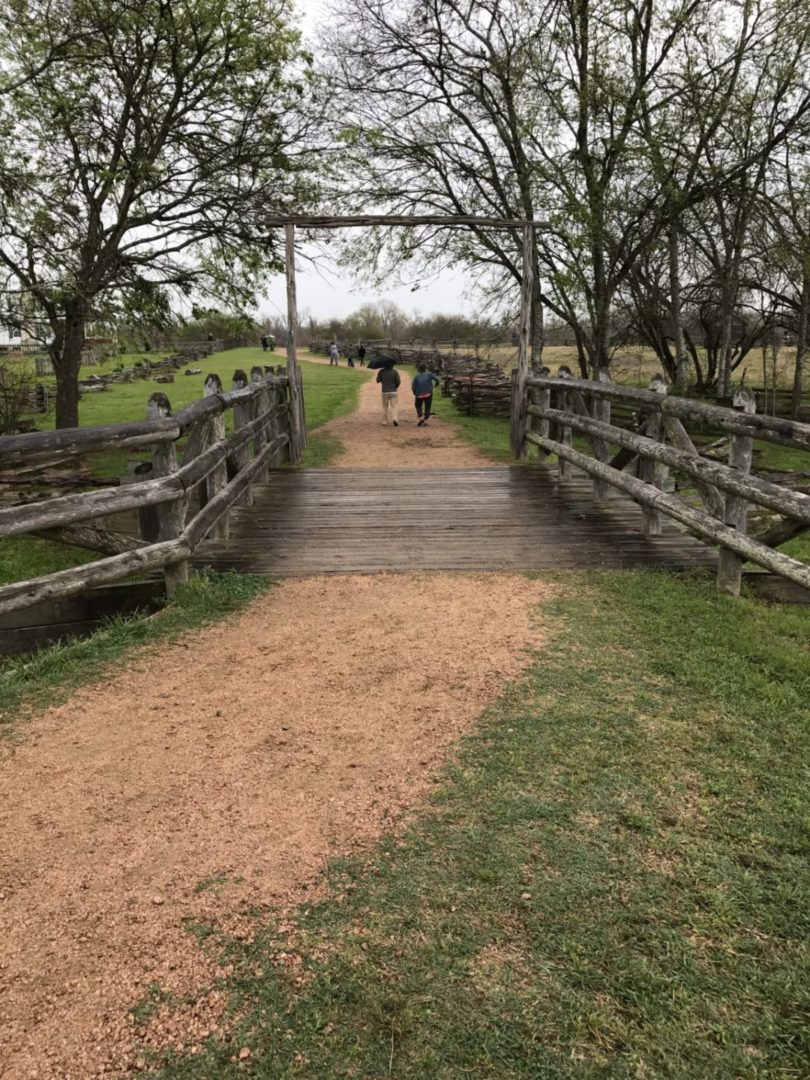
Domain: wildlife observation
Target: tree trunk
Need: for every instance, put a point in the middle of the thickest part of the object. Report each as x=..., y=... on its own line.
x=681, y=358
x=66, y=367
x=582, y=357
x=726, y=335
x=801, y=346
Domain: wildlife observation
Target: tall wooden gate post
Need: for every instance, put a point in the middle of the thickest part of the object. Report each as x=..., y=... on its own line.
x=729, y=567
x=297, y=423
x=519, y=417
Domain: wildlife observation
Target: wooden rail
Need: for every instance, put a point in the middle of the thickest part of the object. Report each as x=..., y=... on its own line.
x=551, y=409
x=180, y=504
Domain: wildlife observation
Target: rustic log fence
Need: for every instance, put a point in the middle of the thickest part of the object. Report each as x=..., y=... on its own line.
x=551, y=409
x=180, y=503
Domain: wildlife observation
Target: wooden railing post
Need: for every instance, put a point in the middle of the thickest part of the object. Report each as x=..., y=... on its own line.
x=600, y=410
x=171, y=516
x=564, y=405
x=218, y=478
x=729, y=567
x=653, y=472
x=242, y=415
x=541, y=397
x=262, y=404
x=284, y=422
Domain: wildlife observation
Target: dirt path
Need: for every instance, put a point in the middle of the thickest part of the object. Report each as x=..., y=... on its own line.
x=240, y=758
x=367, y=444
x=222, y=773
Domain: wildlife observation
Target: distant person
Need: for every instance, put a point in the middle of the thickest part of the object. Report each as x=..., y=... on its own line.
x=333, y=355
x=265, y=343
x=422, y=386
x=350, y=356
x=361, y=355
x=389, y=380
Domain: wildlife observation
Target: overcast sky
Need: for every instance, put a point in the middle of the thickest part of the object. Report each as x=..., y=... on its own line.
x=330, y=291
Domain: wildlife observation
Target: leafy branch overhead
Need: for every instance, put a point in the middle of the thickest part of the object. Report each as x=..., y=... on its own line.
x=146, y=154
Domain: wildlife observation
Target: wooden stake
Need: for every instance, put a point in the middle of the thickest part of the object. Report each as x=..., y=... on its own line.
x=729, y=567
x=653, y=472
x=171, y=516
x=601, y=450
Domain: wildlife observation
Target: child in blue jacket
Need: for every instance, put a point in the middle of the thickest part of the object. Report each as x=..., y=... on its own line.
x=422, y=386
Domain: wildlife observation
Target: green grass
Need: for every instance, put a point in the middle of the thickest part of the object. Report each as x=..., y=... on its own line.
x=771, y=456
x=29, y=683
x=23, y=557
x=611, y=881
x=329, y=392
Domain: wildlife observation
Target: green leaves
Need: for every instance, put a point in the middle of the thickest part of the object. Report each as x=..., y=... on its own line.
x=155, y=137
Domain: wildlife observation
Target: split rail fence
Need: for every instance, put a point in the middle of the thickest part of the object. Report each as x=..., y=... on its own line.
x=547, y=411
x=179, y=505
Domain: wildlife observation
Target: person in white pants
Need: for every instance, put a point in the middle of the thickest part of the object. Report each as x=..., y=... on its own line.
x=389, y=380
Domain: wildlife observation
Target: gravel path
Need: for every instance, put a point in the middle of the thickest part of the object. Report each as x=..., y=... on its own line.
x=222, y=772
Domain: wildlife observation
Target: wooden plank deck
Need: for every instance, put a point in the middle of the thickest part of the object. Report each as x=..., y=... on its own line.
x=326, y=521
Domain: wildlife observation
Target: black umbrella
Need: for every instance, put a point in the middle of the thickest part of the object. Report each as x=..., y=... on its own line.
x=381, y=360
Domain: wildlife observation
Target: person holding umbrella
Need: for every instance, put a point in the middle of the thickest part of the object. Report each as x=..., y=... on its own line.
x=389, y=379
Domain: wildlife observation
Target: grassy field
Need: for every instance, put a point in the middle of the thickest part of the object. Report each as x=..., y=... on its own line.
x=636, y=364
x=329, y=392
x=611, y=880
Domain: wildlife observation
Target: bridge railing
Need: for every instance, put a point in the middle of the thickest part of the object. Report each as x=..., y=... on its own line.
x=551, y=409
x=178, y=504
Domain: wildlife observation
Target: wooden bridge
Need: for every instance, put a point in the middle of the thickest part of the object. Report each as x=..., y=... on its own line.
x=605, y=501
x=322, y=521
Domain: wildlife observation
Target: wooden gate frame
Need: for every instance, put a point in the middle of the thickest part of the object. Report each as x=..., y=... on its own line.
x=519, y=377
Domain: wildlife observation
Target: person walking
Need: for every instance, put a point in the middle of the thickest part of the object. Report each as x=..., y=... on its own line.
x=389, y=380
x=333, y=355
x=350, y=356
x=265, y=343
x=422, y=386
x=361, y=355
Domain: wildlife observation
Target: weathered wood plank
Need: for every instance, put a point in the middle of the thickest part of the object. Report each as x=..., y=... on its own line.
x=513, y=517
x=72, y=442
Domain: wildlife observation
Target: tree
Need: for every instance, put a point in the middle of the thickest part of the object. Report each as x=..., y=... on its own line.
x=147, y=162
x=595, y=117
x=785, y=277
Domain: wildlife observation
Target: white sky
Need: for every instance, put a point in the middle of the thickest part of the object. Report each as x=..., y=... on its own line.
x=330, y=291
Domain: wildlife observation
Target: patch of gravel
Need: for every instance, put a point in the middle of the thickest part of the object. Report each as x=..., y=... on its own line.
x=220, y=773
